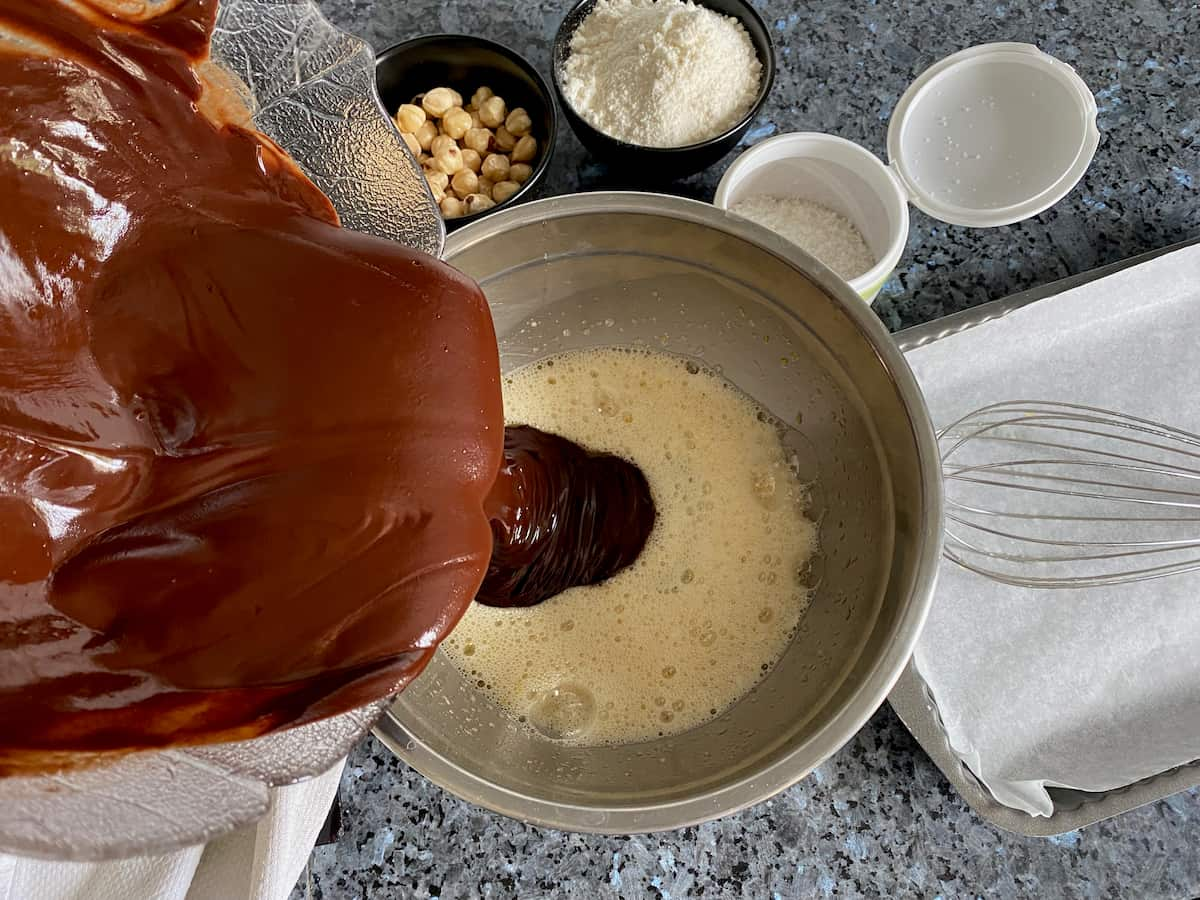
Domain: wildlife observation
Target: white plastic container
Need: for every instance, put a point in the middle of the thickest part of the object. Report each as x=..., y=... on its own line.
x=988, y=136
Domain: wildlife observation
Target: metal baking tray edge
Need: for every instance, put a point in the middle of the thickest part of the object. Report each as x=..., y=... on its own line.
x=910, y=697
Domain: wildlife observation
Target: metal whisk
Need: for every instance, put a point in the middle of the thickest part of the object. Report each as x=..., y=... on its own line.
x=1057, y=495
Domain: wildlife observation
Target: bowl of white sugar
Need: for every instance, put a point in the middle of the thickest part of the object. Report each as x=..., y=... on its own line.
x=989, y=136
x=827, y=195
x=661, y=89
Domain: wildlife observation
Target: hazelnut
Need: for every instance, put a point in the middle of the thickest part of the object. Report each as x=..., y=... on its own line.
x=525, y=149
x=465, y=182
x=502, y=190
x=449, y=160
x=478, y=139
x=471, y=160
x=504, y=139
x=477, y=203
x=492, y=112
x=481, y=94
x=438, y=101
x=518, y=122
x=425, y=134
x=456, y=123
x=409, y=117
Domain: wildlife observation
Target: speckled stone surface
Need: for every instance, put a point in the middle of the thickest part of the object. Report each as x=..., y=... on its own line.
x=877, y=819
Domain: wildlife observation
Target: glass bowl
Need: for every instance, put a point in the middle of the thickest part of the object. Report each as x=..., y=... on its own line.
x=311, y=88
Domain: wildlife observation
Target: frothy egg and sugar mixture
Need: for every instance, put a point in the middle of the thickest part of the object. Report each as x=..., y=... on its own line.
x=713, y=599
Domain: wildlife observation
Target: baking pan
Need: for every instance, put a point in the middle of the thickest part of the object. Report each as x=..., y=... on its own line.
x=910, y=698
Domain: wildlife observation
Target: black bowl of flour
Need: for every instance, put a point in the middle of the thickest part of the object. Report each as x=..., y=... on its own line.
x=648, y=164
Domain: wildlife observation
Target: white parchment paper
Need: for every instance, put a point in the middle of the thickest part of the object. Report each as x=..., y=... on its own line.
x=1090, y=689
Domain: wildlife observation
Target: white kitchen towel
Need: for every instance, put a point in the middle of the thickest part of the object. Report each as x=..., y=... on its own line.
x=1097, y=688
x=259, y=862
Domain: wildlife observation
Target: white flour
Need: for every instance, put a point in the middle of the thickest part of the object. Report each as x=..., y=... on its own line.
x=823, y=232
x=660, y=74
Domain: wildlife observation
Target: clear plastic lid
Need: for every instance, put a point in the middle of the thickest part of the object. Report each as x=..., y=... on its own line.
x=992, y=135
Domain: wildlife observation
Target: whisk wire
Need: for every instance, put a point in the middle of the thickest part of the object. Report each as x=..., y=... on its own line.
x=1047, y=494
x=1125, y=459
x=1061, y=582
x=1016, y=486
x=1127, y=549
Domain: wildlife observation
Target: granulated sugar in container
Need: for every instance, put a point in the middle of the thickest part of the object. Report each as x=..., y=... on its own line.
x=988, y=136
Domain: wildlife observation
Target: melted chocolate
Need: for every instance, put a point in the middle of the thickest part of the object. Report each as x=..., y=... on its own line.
x=243, y=452
x=561, y=517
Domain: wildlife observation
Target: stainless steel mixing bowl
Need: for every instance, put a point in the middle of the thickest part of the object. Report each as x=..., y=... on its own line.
x=635, y=269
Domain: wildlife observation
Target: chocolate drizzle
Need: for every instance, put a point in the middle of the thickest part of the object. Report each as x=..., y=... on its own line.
x=561, y=517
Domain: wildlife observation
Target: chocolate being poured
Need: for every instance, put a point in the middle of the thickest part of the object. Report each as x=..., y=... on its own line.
x=561, y=517
x=243, y=451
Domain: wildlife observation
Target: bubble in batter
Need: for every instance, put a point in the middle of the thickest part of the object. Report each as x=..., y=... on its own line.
x=716, y=595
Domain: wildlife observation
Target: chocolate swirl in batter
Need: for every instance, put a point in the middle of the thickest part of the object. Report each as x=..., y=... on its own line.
x=561, y=517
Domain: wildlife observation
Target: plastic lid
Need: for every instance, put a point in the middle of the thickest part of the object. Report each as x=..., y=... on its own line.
x=992, y=135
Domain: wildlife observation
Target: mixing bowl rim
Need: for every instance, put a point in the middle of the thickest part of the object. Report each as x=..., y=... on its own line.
x=884, y=670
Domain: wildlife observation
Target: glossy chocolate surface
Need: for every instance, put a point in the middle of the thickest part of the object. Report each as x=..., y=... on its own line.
x=243, y=451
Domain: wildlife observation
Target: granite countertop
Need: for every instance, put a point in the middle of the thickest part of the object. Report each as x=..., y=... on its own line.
x=877, y=818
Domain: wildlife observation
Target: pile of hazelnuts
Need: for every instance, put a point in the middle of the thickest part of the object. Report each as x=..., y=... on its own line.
x=474, y=155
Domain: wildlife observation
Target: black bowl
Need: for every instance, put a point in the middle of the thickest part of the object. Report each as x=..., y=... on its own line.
x=464, y=62
x=665, y=163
